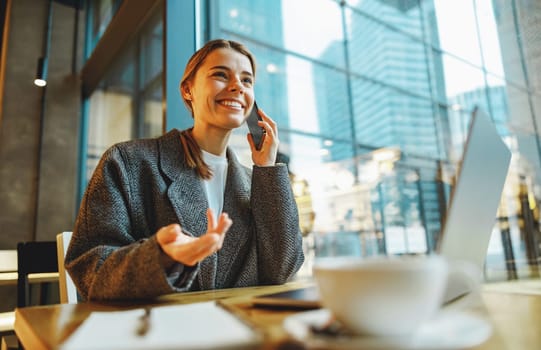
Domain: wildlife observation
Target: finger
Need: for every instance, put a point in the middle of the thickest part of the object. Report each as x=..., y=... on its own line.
x=210, y=219
x=264, y=115
x=269, y=131
x=168, y=234
x=268, y=120
x=224, y=223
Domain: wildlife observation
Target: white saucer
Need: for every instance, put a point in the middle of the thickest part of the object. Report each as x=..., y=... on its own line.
x=449, y=330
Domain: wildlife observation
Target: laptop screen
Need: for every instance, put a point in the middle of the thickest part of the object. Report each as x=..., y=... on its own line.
x=476, y=195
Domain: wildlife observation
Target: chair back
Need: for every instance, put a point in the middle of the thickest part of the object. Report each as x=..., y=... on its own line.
x=68, y=291
x=33, y=257
x=8, y=260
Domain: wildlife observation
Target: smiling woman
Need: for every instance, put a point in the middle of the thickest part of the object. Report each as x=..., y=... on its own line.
x=217, y=87
x=179, y=212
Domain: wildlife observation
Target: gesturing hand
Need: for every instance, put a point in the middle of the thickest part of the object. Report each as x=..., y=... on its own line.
x=189, y=250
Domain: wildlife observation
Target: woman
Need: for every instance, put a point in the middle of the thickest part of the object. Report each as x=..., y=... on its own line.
x=179, y=212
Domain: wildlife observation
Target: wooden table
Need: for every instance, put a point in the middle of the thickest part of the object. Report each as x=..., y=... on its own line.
x=515, y=317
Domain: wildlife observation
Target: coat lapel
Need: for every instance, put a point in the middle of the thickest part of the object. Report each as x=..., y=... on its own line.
x=236, y=204
x=187, y=196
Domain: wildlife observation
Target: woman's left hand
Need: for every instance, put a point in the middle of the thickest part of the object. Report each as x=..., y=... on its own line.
x=266, y=156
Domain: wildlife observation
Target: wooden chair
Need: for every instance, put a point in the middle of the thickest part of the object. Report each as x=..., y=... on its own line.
x=32, y=258
x=8, y=260
x=68, y=291
x=8, y=268
x=10, y=342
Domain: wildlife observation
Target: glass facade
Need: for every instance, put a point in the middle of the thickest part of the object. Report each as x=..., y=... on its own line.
x=100, y=14
x=373, y=101
x=128, y=101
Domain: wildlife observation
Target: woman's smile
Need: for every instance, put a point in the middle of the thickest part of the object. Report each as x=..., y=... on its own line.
x=232, y=104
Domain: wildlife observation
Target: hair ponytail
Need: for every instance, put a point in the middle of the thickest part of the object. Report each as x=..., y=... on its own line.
x=193, y=156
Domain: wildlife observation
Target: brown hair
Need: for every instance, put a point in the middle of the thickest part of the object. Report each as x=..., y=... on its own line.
x=192, y=151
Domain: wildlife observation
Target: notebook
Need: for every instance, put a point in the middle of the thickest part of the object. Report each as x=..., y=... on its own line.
x=204, y=325
x=470, y=216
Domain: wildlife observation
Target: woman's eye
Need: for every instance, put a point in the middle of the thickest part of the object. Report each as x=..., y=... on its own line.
x=220, y=75
x=247, y=81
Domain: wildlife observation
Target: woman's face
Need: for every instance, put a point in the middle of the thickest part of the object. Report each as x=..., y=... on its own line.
x=221, y=92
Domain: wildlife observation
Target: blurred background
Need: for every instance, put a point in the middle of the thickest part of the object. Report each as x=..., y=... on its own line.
x=373, y=99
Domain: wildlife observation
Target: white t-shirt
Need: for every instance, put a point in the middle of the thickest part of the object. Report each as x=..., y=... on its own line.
x=215, y=187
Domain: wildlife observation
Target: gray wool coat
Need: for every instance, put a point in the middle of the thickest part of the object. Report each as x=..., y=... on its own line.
x=140, y=186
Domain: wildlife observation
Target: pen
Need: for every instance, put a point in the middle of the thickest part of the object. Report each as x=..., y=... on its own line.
x=143, y=324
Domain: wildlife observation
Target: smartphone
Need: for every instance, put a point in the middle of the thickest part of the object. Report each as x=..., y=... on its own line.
x=256, y=131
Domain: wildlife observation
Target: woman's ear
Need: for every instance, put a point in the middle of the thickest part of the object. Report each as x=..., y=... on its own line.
x=186, y=94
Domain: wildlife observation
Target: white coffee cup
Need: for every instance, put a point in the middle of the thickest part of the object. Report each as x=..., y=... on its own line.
x=382, y=296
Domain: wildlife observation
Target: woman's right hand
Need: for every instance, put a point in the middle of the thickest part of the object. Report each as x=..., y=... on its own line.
x=189, y=250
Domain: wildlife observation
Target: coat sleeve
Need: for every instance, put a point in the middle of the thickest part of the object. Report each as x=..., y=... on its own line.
x=279, y=240
x=107, y=259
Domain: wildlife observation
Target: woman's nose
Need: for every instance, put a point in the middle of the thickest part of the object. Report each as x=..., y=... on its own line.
x=236, y=85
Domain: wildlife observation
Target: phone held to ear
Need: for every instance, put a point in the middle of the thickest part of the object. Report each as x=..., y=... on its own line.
x=256, y=131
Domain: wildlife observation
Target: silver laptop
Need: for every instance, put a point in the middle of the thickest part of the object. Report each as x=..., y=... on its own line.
x=475, y=198
x=470, y=216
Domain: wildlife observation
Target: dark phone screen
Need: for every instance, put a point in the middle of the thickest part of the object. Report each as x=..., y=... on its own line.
x=256, y=131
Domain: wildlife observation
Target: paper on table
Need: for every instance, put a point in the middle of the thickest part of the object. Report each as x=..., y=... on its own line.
x=193, y=326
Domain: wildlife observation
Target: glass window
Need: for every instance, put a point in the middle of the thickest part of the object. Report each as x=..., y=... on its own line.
x=151, y=77
x=128, y=101
x=489, y=38
x=111, y=109
x=399, y=202
x=374, y=105
x=388, y=56
x=100, y=13
x=400, y=15
x=466, y=92
x=462, y=43
x=317, y=99
x=325, y=171
x=510, y=19
x=293, y=26
x=386, y=117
